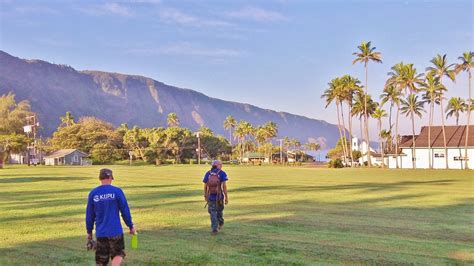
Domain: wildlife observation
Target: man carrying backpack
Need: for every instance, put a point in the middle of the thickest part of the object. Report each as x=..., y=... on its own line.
x=215, y=194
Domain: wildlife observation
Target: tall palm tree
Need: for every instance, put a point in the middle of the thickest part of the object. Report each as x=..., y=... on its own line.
x=407, y=80
x=390, y=94
x=352, y=87
x=411, y=107
x=433, y=91
x=67, y=119
x=455, y=107
x=241, y=132
x=440, y=69
x=366, y=54
x=229, y=124
x=467, y=62
x=386, y=136
x=172, y=120
x=379, y=114
x=334, y=94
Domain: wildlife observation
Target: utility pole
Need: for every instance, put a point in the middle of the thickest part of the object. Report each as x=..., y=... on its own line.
x=31, y=129
x=199, y=147
x=281, y=150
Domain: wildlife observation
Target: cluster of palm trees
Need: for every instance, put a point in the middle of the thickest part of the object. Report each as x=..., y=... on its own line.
x=407, y=91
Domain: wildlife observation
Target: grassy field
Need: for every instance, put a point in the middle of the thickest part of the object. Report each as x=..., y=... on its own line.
x=275, y=216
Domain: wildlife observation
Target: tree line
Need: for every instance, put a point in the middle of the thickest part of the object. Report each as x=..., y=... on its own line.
x=407, y=92
x=107, y=144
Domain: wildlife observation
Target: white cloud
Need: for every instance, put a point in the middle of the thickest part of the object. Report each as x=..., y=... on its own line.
x=108, y=9
x=175, y=16
x=257, y=14
x=188, y=49
x=117, y=9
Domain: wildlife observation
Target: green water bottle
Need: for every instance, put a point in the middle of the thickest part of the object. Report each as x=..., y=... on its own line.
x=135, y=241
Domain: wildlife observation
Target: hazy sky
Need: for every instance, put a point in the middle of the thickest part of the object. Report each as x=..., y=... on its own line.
x=274, y=54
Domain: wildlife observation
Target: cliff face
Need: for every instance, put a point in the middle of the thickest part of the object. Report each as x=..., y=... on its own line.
x=118, y=98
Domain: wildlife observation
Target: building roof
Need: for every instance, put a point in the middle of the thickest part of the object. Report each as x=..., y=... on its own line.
x=254, y=155
x=455, y=137
x=64, y=152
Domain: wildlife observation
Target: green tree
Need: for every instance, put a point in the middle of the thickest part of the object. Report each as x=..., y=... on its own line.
x=379, y=114
x=13, y=115
x=406, y=79
x=351, y=87
x=433, y=91
x=467, y=62
x=411, y=107
x=11, y=143
x=366, y=54
x=440, y=68
x=229, y=124
x=455, y=107
x=173, y=120
x=67, y=119
x=335, y=94
x=85, y=135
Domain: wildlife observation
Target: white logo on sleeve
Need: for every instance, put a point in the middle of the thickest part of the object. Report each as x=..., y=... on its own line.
x=107, y=196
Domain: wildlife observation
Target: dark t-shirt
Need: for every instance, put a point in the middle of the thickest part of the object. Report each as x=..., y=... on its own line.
x=222, y=177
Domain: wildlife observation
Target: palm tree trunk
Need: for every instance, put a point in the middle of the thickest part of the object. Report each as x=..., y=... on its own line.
x=390, y=117
x=444, y=133
x=344, y=138
x=380, y=140
x=466, y=163
x=340, y=130
x=396, y=137
x=350, y=134
x=413, y=153
x=369, y=163
x=230, y=136
x=430, y=123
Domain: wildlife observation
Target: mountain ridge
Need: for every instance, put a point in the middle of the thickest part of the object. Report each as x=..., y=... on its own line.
x=53, y=89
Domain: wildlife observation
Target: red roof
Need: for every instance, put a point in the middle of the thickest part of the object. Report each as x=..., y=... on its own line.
x=455, y=137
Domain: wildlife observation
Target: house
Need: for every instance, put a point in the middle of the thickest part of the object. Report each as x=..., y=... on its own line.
x=67, y=157
x=455, y=141
x=254, y=157
x=22, y=158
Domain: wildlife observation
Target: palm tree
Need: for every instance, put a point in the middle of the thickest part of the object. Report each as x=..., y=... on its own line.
x=67, y=119
x=441, y=68
x=390, y=94
x=229, y=124
x=411, y=107
x=406, y=79
x=173, y=120
x=378, y=114
x=455, y=107
x=333, y=94
x=351, y=87
x=386, y=136
x=433, y=92
x=365, y=54
x=467, y=62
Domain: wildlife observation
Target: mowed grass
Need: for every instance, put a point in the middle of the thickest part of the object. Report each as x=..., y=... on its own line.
x=276, y=215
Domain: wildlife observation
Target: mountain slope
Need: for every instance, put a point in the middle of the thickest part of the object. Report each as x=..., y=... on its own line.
x=136, y=100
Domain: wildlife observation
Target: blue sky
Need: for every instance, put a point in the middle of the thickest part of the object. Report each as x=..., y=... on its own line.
x=274, y=54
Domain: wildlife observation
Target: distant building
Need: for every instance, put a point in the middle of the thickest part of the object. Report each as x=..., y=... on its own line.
x=455, y=140
x=363, y=147
x=254, y=157
x=67, y=157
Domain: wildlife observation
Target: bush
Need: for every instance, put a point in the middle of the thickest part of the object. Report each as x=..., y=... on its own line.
x=335, y=163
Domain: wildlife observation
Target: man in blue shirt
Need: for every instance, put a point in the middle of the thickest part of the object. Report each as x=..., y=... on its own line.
x=215, y=194
x=104, y=205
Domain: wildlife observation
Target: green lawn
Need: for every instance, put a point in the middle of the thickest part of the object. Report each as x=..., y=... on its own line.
x=276, y=215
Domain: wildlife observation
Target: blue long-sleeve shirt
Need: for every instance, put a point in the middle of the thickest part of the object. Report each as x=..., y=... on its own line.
x=103, y=207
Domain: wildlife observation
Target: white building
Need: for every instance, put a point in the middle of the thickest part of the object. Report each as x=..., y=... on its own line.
x=363, y=147
x=455, y=140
